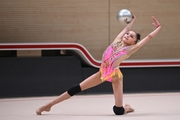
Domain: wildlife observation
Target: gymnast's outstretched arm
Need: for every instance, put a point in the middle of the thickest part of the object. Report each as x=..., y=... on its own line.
x=148, y=37
x=126, y=29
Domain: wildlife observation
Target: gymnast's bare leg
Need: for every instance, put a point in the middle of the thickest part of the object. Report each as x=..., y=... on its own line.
x=91, y=81
x=117, y=85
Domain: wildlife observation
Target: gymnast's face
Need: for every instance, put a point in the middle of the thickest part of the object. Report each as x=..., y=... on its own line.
x=129, y=38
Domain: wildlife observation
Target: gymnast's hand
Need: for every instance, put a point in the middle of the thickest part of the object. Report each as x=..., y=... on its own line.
x=133, y=16
x=156, y=22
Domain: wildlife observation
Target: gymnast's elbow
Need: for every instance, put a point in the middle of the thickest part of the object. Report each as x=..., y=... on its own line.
x=150, y=36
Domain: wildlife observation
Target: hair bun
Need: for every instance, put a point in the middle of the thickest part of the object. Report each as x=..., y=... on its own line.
x=138, y=36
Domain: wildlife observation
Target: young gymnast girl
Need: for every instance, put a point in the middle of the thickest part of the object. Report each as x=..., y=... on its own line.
x=124, y=45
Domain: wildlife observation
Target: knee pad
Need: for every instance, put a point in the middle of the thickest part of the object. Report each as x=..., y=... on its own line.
x=118, y=110
x=74, y=90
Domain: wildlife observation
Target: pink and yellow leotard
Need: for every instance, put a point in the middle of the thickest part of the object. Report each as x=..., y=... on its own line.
x=110, y=56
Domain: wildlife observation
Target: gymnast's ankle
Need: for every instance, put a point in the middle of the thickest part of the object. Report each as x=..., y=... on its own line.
x=43, y=108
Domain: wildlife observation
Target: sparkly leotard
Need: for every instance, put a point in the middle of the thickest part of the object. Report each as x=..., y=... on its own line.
x=111, y=55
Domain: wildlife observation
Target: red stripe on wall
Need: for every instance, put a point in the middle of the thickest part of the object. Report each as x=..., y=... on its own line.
x=86, y=54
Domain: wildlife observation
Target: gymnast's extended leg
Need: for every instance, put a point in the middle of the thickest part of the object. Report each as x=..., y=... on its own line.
x=90, y=82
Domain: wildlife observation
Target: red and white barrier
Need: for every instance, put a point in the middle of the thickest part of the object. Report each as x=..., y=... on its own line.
x=86, y=56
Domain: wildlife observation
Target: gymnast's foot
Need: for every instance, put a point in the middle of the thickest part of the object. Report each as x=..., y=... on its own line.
x=128, y=108
x=43, y=108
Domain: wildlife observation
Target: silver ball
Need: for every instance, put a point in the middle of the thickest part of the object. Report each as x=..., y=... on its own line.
x=124, y=16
